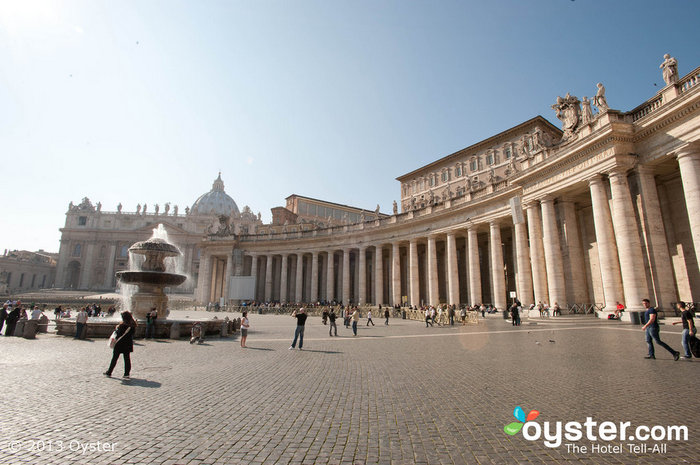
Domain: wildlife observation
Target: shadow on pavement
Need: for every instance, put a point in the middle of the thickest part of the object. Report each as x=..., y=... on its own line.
x=141, y=382
x=259, y=348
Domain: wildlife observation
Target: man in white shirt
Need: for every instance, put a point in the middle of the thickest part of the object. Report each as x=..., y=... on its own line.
x=36, y=313
x=80, y=322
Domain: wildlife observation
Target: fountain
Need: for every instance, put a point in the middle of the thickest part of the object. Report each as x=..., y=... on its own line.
x=149, y=275
x=152, y=278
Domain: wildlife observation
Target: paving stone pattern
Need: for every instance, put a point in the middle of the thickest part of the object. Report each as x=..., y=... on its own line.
x=402, y=394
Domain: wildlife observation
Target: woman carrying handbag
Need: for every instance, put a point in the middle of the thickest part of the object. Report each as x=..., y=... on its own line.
x=124, y=344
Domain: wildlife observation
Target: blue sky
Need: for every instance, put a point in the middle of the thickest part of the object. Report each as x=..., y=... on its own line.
x=146, y=101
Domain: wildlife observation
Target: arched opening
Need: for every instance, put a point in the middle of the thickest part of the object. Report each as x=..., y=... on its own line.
x=73, y=275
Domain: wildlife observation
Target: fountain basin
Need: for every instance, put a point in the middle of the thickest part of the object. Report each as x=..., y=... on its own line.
x=151, y=277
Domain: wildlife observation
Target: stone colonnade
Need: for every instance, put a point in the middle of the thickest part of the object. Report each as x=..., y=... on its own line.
x=536, y=250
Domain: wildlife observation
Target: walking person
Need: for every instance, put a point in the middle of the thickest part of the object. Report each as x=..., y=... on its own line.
x=427, y=318
x=355, y=319
x=245, y=324
x=151, y=322
x=689, y=328
x=80, y=323
x=369, y=318
x=652, y=331
x=300, y=315
x=451, y=313
x=3, y=316
x=332, y=327
x=124, y=344
x=11, y=322
x=386, y=316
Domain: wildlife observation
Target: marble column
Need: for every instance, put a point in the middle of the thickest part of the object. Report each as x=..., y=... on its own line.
x=86, y=271
x=689, y=164
x=433, y=293
x=378, y=276
x=552, y=254
x=314, y=277
x=227, y=277
x=629, y=246
x=330, y=276
x=299, y=281
x=362, y=279
x=268, y=278
x=254, y=274
x=574, y=276
x=498, y=278
x=205, y=277
x=346, y=276
x=109, y=278
x=452, y=271
x=661, y=269
x=283, y=279
x=539, y=269
x=413, y=280
x=605, y=240
x=474, y=267
x=522, y=259
x=395, y=274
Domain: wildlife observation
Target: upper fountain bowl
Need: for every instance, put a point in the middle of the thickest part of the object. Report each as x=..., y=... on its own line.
x=158, y=245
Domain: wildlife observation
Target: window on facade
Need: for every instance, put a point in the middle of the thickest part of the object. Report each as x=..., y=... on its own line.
x=124, y=251
x=432, y=181
x=529, y=143
x=77, y=249
x=489, y=159
x=458, y=171
x=21, y=279
x=507, y=152
x=82, y=220
x=472, y=165
x=444, y=176
x=33, y=281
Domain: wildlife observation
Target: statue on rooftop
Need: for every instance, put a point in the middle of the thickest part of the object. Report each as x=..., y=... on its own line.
x=157, y=208
x=586, y=112
x=396, y=208
x=99, y=206
x=568, y=111
x=669, y=68
x=599, y=100
x=175, y=210
x=167, y=208
x=119, y=208
x=138, y=209
x=145, y=206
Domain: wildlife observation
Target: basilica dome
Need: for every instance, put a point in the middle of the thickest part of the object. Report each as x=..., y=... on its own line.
x=215, y=202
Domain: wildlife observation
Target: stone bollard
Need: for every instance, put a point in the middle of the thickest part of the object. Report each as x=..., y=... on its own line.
x=30, y=328
x=43, y=324
x=175, y=330
x=19, y=328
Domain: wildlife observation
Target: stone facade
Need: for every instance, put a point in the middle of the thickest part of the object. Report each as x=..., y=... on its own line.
x=21, y=270
x=95, y=243
x=598, y=213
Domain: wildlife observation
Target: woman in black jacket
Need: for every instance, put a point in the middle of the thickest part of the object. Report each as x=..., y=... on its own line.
x=124, y=345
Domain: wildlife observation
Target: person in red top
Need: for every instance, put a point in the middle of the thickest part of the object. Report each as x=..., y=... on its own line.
x=618, y=310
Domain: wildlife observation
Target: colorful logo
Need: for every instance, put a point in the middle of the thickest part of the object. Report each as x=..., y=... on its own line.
x=514, y=428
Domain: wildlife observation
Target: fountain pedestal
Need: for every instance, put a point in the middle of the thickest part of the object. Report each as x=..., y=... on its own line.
x=152, y=279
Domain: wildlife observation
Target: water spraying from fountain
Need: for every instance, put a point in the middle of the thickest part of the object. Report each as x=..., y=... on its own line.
x=143, y=285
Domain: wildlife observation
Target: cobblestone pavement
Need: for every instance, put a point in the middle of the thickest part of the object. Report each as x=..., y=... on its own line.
x=401, y=394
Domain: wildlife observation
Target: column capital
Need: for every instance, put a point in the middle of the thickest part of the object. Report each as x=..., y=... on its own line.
x=646, y=169
x=595, y=180
x=530, y=203
x=689, y=151
x=618, y=172
x=548, y=198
